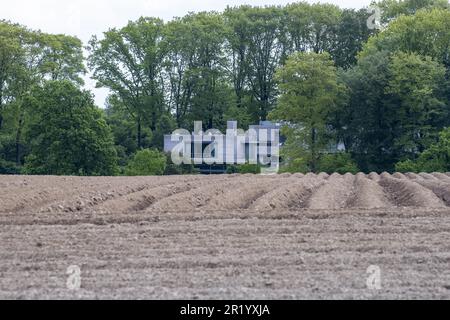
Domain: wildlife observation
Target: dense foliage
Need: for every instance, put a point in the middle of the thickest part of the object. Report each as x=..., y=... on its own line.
x=67, y=134
x=351, y=98
x=310, y=93
x=147, y=163
x=435, y=159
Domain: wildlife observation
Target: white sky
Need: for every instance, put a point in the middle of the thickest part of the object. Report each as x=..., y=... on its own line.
x=84, y=18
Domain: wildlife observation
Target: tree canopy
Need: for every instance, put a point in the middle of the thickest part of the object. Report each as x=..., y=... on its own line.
x=309, y=93
x=68, y=134
x=349, y=96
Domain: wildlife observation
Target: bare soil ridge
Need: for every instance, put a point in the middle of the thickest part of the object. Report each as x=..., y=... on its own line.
x=176, y=194
x=291, y=236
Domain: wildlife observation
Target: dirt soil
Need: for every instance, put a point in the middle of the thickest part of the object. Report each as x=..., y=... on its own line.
x=226, y=237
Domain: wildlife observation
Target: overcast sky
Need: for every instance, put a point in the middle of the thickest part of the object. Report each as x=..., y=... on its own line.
x=85, y=18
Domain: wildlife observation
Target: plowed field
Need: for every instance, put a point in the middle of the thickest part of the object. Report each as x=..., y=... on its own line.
x=226, y=237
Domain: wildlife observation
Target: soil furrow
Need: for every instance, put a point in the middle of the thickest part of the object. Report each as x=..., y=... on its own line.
x=334, y=194
x=440, y=188
x=442, y=176
x=368, y=194
x=427, y=176
x=51, y=190
x=142, y=199
x=407, y=193
x=91, y=199
x=294, y=195
x=193, y=199
x=244, y=195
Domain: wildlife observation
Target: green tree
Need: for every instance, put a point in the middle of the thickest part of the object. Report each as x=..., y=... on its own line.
x=435, y=159
x=129, y=62
x=123, y=127
x=12, y=60
x=28, y=58
x=420, y=109
x=326, y=28
x=298, y=25
x=260, y=39
x=237, y=45
x=294, y=154
x=165, y=126
x=311, y=27
x=324, y=21
x=13, y=77
x=363, y=123
x=177, y=42
x=195, y=65
x=266, y=51
x=392, y=9
x=67, y=133
x=62, y=57
x=147, y=163
x=256, y=45
x=309, y=93
x=395, y=109
x=426, y=33
x=350, y=36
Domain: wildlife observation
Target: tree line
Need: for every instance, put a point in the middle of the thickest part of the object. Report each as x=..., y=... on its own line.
x=317, y=68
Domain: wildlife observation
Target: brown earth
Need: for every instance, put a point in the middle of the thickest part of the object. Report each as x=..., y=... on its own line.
x=226, y=237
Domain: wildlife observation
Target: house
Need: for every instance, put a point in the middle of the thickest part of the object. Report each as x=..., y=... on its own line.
x=212, y=152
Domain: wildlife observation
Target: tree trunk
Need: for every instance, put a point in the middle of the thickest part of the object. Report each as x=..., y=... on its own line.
x=1, y=105
x=210, y=123
x=313, y=150
x=238, y=100
x=1, y=109
x=154, y=120
x=139, y=133
x=18, y=138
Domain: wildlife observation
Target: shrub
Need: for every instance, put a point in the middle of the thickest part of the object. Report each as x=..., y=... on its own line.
x=434, y=159
x=173, y=169
x=406, y=166
x=297, y=165
x=244, y=169
x=232, y=170
x=68, y=134
x=147, y=163
x=337, y=163
x=7, y=167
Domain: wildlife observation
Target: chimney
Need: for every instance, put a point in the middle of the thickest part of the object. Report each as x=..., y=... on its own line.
x=232, y=125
